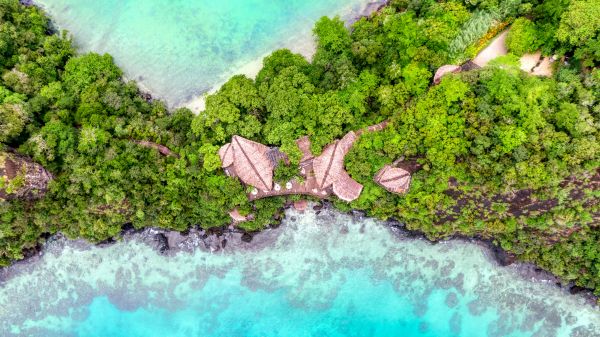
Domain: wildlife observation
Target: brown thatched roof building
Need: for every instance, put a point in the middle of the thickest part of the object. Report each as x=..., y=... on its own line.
x=304, y=146
x=226, y=154
x=329, y=169
x=393, y=179
x=249, y=161
x=444, y=70
x=347, y=188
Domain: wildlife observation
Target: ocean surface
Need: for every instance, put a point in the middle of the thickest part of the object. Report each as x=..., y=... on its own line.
x=324, y=274
x=180, y=49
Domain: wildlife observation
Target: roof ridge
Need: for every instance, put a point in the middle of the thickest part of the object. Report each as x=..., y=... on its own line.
x=251, y=163
x=335, y=145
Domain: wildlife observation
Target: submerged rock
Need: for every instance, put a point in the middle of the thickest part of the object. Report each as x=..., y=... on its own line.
x=247, y=237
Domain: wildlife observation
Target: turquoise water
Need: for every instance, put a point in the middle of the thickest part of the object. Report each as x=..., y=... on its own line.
x=179, y=49
x=321, y=274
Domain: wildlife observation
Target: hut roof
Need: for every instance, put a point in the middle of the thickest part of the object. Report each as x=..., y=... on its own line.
x=347, y=188
x=444, y=70
x=275, y=155
x=226, y=154
x=304, y=146
x=329, y=166
x=251, y=162
x=393, y=179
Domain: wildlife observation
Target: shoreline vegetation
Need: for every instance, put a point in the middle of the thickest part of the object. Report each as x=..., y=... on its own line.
x=499, y=155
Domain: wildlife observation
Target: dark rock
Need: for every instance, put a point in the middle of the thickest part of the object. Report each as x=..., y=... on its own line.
x=224, y=243
x=146, y=96
x=358, y=214
x=127, y=228
x=576, y=290
x=247, y=237
x=107, y=242
x=318, y=207
x=503, y=257
x=213, y=243
x=162, y=242
x=33, y=251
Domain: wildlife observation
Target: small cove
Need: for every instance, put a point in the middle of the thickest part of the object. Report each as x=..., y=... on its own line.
x=178, y=50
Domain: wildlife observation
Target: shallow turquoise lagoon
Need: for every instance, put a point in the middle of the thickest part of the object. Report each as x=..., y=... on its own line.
x=321, y=274
x=179, y=49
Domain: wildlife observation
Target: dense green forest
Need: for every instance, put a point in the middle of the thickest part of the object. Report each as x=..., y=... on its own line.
x=497, y=153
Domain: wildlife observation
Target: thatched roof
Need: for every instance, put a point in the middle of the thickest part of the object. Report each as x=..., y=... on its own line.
x=444, y=70
x=304, y=146
x=226, y=154
x=393, y=179
x=329, y=169
x=347, y=188
x=275, y=156
x=330, y=164
x=250, y=162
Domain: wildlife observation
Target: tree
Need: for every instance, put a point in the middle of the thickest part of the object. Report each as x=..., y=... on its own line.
x=522, y=37
x=579, y=28
x=13, y=118
x=332, y=62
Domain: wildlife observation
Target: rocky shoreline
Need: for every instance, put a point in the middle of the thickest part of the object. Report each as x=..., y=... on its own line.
x=229, y=238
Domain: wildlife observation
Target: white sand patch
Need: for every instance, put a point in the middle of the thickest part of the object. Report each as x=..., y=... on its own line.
x=544, y=68
x=528, y=61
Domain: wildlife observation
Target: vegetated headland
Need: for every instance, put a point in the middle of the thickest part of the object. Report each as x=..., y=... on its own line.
x=497, y=152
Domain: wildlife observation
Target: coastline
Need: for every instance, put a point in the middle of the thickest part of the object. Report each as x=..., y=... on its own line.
x=302, y=43
x=228, y=239
x=253, y=68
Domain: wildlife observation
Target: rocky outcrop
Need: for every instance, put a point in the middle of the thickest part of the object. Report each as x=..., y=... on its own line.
x=21, y=178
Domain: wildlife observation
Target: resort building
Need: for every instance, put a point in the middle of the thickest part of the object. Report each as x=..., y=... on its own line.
x=393, y=179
